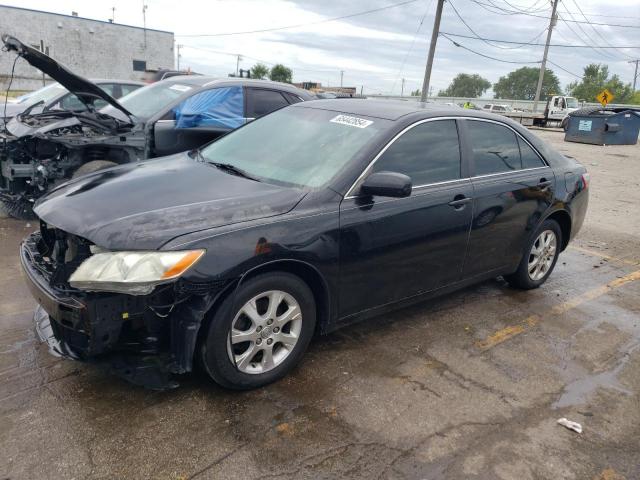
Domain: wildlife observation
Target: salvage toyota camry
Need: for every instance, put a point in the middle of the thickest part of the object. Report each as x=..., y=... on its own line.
x=314, y=216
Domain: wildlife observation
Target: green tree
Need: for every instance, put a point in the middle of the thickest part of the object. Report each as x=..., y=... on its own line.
x=259, y=71
x=465, y=85
x=521, y=84
x=416, y=93
x=596, y=78
x=280, y=73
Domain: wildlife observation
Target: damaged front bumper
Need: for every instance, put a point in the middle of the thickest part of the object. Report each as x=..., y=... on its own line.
x=124, y=333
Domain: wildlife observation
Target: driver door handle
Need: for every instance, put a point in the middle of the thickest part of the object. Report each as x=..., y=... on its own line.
x=459, y=201
x=544, y=184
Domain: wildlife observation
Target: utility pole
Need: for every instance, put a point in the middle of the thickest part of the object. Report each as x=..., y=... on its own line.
x=432, y=51
x=144, y=22
x=341, y=77
x=543, y=65
x=113, y=14
x=402, y=89
x=238, y=63
x=178, y=47
x=635, y=74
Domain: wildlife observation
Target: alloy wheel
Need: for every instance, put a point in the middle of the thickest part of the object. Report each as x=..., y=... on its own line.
x=542, y=255
x=264, y=332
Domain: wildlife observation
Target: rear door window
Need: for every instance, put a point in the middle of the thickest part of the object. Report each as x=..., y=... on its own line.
x=530, y=159
x=260, y=102
x=292, y=98
x=428, y=153
x=495, y=148
x=215, y=108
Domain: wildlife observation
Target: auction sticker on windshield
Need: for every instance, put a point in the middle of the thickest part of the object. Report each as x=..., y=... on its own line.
x=180, y=88
x=351, y=121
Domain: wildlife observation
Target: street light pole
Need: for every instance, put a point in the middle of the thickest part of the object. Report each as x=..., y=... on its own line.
x=543, y=65
x=432, y=51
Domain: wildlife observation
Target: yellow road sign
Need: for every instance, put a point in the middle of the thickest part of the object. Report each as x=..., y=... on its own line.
x=604, y=97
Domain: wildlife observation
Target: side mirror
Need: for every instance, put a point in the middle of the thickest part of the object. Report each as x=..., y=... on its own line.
x=387, y=184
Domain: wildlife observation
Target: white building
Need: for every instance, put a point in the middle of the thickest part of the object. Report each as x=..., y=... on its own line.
x=90, y=48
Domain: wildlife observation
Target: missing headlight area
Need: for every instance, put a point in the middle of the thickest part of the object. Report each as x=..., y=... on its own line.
x=142, y=338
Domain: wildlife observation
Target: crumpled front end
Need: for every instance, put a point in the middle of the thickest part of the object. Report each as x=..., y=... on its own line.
x=146, y=339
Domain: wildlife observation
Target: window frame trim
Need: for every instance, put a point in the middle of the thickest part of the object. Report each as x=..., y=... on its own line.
x=464, y=144
x=350, y=194
x=472, y=164
x=251, y=88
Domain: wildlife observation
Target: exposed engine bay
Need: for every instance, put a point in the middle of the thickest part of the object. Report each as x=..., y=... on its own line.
x=38, y=152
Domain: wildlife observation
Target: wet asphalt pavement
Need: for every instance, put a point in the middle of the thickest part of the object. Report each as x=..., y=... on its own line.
x=467, y=386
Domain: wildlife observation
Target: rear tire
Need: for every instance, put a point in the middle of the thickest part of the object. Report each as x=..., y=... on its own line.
x=93, y=166
x=273, y=318
x=539, y=258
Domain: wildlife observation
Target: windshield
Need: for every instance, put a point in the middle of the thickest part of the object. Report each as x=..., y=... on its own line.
x=147, y=101
x=572, y=102
x=298, y=146
x=45, y=94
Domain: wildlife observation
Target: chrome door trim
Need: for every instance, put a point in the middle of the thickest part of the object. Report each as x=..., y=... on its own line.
x=350, y=194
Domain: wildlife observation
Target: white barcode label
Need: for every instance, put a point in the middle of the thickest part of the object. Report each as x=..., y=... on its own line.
x=351, y=121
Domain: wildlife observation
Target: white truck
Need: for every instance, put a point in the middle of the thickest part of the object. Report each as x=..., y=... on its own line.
x=557, y=110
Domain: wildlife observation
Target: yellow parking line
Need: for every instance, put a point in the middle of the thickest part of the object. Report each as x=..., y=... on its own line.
x=511, y=331
x=595, y=253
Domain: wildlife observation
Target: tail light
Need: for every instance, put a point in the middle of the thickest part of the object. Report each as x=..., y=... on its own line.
x=586, y=179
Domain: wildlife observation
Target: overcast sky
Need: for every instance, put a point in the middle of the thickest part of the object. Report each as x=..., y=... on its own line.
x=378, y=49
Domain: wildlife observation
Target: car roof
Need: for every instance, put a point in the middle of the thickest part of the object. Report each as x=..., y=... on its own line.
x=204, y=80
x=123, y=82
x=393, y=109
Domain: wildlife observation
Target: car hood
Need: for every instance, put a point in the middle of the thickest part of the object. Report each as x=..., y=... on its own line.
x=141, y=206
x=83, y=88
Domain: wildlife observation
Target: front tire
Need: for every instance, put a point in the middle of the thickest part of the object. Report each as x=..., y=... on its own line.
x=540, y=257
x=259, y=334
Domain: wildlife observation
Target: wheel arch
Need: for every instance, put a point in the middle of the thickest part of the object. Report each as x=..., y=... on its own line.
x=308, y=274
x=563, y=218
x=303, y=270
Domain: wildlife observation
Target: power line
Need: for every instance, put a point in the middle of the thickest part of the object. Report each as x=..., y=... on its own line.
x=472, y=30
x=564, y=69
x=595, y=29
x=586, y=35
x=415, y=36
x=258, y=59
x=263, y=30
x=580, y=36
x=482, y=54
x=531, y=9
x=488, y=41
x=531, y=43
x=516, y=12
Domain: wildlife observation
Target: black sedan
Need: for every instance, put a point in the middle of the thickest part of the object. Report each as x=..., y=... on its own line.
x=314, y=216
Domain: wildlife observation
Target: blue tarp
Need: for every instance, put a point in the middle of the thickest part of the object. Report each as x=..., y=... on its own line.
x=219, y=107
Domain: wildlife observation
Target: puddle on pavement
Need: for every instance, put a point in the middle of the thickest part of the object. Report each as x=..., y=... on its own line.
x=582, y=383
